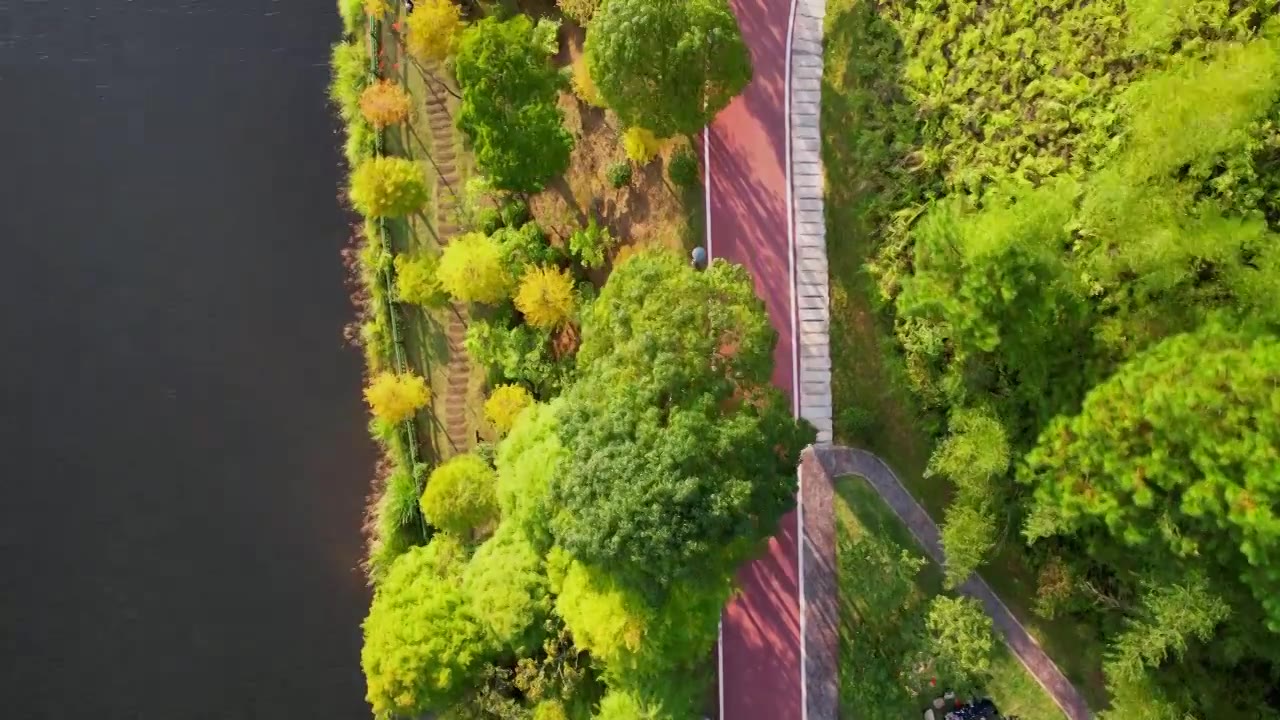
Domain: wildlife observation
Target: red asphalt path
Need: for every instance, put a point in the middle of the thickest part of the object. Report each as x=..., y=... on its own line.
x=749, y=219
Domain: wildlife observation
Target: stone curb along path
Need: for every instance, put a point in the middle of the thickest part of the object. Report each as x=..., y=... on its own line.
x=821, y=464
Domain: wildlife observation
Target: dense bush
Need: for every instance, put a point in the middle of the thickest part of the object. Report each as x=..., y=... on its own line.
x=528, y=458
x=388, y=187
x=396, y=397
x=471, y=269
x=523, y=248
x=460, y=497
x=385, y=103
x=546, y=297
x=667, y=65
x=505, y=404
x=352, y=14
x=361, y=142
x=349, y=64
x=416, y=281
x=508, y=591
x=682, y=168
x=640, y=145
x=432, y=29
x=591, y=244
x=509, y=111
x=619, y=175
x=516, y=353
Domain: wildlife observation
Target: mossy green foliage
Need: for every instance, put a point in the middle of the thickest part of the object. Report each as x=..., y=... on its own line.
x=421, y=644
x=1058, y=188
x=508, y=591
x=416, y=281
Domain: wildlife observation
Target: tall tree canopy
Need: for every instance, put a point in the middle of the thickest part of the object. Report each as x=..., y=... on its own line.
x=681, y=454
x=1174, y=457
x=509, y=109
x=668, y=66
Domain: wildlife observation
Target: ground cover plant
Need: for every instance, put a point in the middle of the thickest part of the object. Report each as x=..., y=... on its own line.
x=1035, y=211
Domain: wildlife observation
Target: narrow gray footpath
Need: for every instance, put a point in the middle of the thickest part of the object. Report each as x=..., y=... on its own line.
x=820, y=467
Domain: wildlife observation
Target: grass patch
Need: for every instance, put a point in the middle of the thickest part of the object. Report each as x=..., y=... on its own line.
x=862, y=517
x=870, y=150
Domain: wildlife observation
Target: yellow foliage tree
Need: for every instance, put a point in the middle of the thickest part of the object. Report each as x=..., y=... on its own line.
x=546, y=297
x=433, y=29
x=583, y=86
x=385, y=103
x=505, y=404
x=640, y=145
x=395, y=398
x=377, y=8
x=471, y=269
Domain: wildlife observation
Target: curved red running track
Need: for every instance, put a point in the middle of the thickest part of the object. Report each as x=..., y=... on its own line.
x=748, y=223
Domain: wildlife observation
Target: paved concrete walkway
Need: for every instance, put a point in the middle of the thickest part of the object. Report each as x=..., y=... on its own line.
x=820, y=467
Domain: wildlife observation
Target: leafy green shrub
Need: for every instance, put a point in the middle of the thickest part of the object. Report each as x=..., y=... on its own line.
x=516, y=353
x=591, y=244
x=514, y=212
x=416, y=281
x=471, y=269
x=528, y=458
x=349, y=63
x=488, y=220
x=854, y=421
x=388, y=187
x=523, y=248
x=619, y=175
x=509, y=111
x=682, y=168
x=460, y=496
x=507, y=589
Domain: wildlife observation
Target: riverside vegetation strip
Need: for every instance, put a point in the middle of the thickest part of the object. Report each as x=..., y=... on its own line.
x=1035, y=209
x=572, y=564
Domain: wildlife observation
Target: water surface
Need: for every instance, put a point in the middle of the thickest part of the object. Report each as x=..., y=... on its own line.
x=182, y=452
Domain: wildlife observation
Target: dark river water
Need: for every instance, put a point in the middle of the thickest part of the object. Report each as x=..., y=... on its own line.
x=183, y=456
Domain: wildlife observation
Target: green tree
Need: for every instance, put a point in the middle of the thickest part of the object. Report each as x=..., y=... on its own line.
x=961, y=637
x=421, y=644
x=681, y=453
x=667, y=65
x=1168, y=459
x=1169, y=616
x=968, y=534
x=460, y=497
x=509, y=111
x=388, y=187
